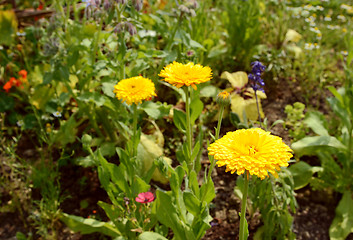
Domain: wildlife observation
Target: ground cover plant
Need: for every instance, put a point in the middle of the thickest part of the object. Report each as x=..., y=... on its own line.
x=135, y=119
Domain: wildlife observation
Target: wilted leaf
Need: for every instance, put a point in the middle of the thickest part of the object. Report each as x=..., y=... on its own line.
x=237, y=79
x=239, y=105
x=292, y=36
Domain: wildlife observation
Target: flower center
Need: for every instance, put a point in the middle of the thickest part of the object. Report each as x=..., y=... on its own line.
x=252, y=150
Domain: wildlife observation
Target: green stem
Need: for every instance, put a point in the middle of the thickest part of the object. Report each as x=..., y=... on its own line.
x=171, y=40
x=218, y=129
x=188, y=127
x=258, y=108
x=108, y=127
x=134, y=128
x=96, y=41
x=242, y=228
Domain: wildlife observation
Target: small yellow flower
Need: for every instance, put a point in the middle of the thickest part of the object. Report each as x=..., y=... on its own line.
x=134, y=90
x=254, y=150
x=344, y=30
x=189, y=74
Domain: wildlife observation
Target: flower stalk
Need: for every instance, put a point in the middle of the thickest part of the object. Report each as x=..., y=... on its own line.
x=243, y=226
x=218, y=129
x=134, y=128
x=188, y=127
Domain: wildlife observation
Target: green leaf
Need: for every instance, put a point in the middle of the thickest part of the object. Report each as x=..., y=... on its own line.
x=192, y=203
x=342, y=224
x=207, y=190
x=6, y=102
x=21, y=236
x=167, y=215
x=8, y=26
x=302, y=174
x=194, y=183
x=311, y=145
x=196, y=107
x=107, y=88
x=112, y=211
x=139, y=186
x=150, y=236
x=95, y=97
x=155, y=110
x=67, y=132
x=208, y=91
x=315, y=121
x=42, y=94
x=179, y=119
x=87, y=226
x=47, y=78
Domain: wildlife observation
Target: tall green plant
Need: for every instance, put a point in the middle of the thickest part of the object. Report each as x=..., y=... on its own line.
x=335, y=151
x=241, y=20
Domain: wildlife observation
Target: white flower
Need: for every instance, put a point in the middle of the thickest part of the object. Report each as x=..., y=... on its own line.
x=341, y=17
x=57, y=114
x=20, y=123
x=21, y=34
x=308, y=46
x=328, y=18
x=305, y=13
x=315, y=30
x=344, y=53
x=346, y=7
x=312, y=24
x=319, y=8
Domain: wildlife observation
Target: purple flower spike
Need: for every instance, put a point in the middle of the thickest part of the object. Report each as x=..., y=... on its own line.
x=256, y=82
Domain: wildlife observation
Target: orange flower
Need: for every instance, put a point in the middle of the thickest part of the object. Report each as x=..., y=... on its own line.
x=7, y=86
x=15, y=82
x=23, y=73
x=23, y=77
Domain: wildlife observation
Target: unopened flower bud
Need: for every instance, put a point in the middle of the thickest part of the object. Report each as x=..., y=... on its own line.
x=121, y=1
x=119, y=27
x=184, y=9
x=223, y=98
x=131, y=28
x=138, y=4
x=97, y=2
x=192, y=4
x=86, y=140
x=107, y=5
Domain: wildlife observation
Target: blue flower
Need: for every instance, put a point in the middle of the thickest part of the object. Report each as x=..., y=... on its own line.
x=256, y=82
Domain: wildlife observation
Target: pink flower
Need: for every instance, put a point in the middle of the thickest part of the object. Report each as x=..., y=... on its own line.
x=145, y=197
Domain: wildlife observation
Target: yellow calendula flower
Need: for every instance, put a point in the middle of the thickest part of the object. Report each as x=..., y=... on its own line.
x=254, y=150
x=189, y=74
x=134, y=90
